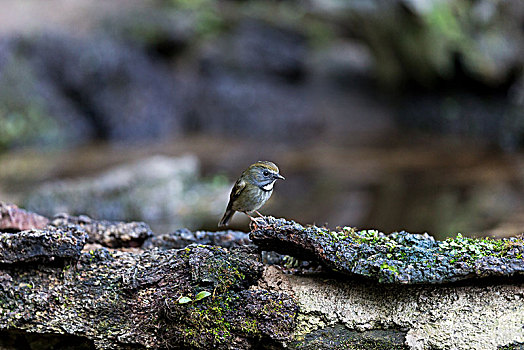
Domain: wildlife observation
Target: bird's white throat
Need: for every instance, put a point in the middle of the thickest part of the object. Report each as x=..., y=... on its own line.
x=269, y=186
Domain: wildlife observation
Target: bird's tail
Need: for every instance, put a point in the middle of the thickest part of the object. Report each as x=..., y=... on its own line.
x=226, y=218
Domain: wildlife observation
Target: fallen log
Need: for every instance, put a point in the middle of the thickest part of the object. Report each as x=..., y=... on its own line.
x=204, y=296
x=399, y=257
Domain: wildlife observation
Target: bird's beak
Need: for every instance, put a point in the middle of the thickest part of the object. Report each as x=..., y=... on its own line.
x=278, y=176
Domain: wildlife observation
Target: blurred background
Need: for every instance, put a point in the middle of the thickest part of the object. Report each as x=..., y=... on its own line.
x=386, y=114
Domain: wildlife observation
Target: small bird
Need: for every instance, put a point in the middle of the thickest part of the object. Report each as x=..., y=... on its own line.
x=252, y=190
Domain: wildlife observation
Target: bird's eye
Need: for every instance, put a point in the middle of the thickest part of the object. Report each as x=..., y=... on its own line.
x=266, y=173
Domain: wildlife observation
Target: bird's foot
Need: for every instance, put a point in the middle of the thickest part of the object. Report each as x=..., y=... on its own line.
x=256, y=222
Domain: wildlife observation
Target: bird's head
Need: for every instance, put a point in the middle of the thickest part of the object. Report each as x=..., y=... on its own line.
x=264, y=174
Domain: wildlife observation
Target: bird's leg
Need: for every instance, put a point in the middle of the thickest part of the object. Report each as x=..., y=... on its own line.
x=260, y=217
x=255, y=221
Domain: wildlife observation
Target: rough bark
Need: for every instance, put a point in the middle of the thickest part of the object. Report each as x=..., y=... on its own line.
x=55, y=295
x=63, y=243
x=12, y=217
x=122, y=299
x=400, y=257
x=184, y=237
x=112, y=234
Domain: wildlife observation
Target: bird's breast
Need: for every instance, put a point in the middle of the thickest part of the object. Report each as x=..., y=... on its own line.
x=269, y=186
x=252, y=198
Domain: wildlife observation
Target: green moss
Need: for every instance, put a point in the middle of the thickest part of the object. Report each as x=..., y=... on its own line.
x=272, y=307
x=324, y=232
x=211, y=321
x=223, y=273
x=186, y=253
x=459, y=246
x=249, y=326
x=473, y=248
x=374, y=237
x=385, y=266
x=388, y=273
x=217, y=321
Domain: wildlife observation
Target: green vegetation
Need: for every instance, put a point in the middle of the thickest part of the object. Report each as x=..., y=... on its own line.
x=375, y=237
x=208, y=317
x=475, y=248
x=215, y=320
x=200, y=318
x=385, y=266
x=208, y=321
x=203, y=294
x=402, y=257
x=184, y=300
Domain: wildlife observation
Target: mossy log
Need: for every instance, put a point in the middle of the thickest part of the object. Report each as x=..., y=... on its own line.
x=113, y=299
x=400, y=257
x=208, y=296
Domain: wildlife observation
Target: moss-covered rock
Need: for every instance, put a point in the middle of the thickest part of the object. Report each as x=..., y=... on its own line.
x=146, y=299
x=400, y=257
x=206, y=297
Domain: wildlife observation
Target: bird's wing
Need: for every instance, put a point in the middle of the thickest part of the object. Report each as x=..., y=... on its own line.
x=235, y=192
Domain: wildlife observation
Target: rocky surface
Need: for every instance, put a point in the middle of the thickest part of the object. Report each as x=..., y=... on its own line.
x=113, y=234
x=53, y=293
x=64, y=243
x=184, y=237
x=400, y=257
x=14, y=218
x=119, y=300
x=394, y=316
x=121, y=92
